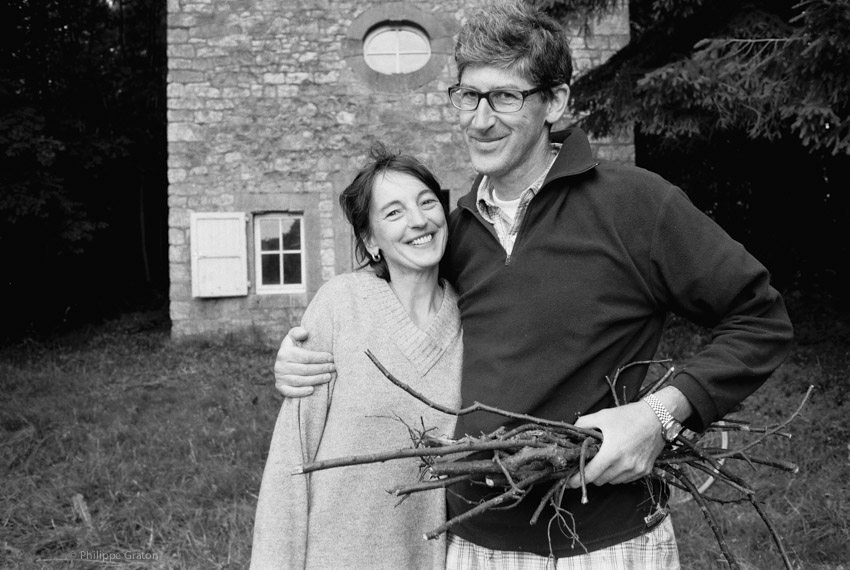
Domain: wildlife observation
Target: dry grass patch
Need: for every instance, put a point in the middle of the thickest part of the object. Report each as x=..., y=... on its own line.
x=163, y=444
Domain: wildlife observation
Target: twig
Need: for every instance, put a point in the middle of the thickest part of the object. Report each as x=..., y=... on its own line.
x=775, y=463
x=479, y=407
x=547, y=498
x=707, y=514
x=498, y=461
x=730, y=425
x=612, y=382
x=773, y=533
x=406, y=453
x=581, y=463
x=429, y=485
x=543, y=451
x=652, y=388
x=717, y=467
x=513, y=493
x=779, y=427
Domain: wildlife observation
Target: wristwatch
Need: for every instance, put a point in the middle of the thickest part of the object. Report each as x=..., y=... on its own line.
x=670, y=426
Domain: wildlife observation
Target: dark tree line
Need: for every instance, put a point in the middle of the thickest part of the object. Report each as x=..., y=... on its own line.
x=746, y=106
x=82, y=160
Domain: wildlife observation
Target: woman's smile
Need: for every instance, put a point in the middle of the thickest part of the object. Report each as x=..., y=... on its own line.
x=422, y=240
x=408, y=225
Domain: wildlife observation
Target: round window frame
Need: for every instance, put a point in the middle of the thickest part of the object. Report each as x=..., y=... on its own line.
x=441, y=37
x=396, y=27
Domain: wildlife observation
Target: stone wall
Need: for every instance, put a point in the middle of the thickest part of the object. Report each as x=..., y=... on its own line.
x=269, y=110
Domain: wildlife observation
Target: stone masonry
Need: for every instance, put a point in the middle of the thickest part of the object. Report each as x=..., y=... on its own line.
x=269, y=109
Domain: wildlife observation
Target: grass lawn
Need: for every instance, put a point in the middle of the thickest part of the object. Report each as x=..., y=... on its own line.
x=120, y=448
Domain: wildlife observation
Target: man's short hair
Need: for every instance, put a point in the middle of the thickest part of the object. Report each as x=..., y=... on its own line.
x=519, y=38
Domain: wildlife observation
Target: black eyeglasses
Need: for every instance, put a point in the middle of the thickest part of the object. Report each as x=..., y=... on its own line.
x=500, y=100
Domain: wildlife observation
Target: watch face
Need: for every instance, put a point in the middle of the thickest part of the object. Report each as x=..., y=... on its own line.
x=672, y=430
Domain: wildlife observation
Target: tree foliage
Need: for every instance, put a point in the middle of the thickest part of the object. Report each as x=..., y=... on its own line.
x=769, y=69
x=82, y=150
x=746, y=106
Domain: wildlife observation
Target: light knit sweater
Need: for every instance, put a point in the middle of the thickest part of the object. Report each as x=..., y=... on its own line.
x=343, y=517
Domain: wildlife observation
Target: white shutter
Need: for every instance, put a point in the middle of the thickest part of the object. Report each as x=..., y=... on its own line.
x=219, y=254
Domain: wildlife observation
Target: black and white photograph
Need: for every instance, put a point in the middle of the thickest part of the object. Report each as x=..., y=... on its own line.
x=433, y=285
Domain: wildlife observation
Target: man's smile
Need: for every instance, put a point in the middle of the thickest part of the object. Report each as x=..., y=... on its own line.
x=484, y=143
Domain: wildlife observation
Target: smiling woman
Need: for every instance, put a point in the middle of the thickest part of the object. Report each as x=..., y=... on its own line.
x=360, y=208
x=408, y=225
x=397, y=307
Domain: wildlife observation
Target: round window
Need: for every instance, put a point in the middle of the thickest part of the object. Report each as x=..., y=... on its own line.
x=394, y=49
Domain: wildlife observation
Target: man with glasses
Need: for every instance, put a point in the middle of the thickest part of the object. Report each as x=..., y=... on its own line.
x=566, y=267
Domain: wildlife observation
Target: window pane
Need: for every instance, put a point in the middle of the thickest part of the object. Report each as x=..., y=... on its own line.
x=291, y=233
x=391, y=49
x=385, y=41
x=411, y=62
x=410, y=42
x=292, y=269
x=269, y=240
x=271, y=269
x=385, y=64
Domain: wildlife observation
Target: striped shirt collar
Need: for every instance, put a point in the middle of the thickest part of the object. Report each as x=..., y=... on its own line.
x=506, y=226
x=484, y=199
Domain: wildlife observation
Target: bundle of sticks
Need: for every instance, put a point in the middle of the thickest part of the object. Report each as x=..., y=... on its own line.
x=540, y=451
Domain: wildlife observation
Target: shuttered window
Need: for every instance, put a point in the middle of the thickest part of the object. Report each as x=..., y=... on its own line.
x=219, y=254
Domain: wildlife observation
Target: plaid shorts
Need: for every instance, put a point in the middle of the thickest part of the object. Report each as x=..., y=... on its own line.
x=655, y=550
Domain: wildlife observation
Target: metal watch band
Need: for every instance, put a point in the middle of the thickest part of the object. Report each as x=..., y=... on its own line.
x=660, y=411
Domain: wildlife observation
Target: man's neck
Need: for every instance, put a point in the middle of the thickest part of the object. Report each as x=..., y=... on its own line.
x=511, y=185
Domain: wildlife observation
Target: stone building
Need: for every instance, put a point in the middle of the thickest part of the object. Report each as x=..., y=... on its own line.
x=272, y=106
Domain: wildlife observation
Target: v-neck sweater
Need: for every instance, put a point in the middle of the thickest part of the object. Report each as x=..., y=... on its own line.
x=344, y=517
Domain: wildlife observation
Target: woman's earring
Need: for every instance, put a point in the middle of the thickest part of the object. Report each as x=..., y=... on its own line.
x=376, y=257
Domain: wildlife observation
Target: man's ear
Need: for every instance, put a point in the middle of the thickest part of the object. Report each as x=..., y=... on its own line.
x=557, y=106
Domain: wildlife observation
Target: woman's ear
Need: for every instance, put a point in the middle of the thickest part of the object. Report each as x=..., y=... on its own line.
x=371, y=247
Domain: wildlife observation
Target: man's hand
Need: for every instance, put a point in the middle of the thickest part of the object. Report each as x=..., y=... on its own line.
x=297, y=370
x=631, y=439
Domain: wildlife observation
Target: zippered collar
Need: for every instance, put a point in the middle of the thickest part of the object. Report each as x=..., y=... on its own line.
x=576, y=157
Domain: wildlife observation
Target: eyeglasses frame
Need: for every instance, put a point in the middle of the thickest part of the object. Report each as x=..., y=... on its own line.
x=486, y=95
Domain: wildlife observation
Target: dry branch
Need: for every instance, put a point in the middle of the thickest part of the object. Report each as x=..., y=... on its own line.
x=546, y=451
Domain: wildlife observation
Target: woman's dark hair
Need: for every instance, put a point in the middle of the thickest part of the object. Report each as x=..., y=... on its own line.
x=357, y=197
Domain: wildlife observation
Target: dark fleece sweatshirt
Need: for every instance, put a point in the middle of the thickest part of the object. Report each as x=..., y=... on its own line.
x=604, y=253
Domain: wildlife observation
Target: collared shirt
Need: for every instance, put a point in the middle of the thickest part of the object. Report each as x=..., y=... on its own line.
x=507, y=226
